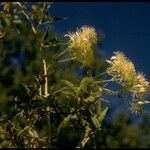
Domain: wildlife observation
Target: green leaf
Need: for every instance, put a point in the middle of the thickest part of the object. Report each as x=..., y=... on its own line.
x=102, y=114
x=84, y=141
x=66, y=121
x=85, y=83
x=55, y=18
x=20, y=114
x=17, y=20
x=45, y=36
x=83, y=121
x=70, y=85
x=89, y=99
x=95, y=121
x=86, y=137
x=53, y=43
x=23, y=130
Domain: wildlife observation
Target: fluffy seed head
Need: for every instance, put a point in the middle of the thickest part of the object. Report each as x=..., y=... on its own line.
x=141, y=85
x=81, y=44
x=121, y=69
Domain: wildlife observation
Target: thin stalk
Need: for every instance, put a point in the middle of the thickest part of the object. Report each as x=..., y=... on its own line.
x=49, y=128
x=26, y=15
x=94, y=143
x=46, y=95
x=99, y=75
x=58, y=91
x=40, y=90
x=63, y=52
x=97, y=82
x=110, y=92
x=60, y=61
x=2, y=34
x=46, y=80
x=110, y=80
x=48, y=108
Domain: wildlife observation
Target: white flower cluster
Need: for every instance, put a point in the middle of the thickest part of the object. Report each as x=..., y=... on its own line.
x=81, y=44
x=123, y=71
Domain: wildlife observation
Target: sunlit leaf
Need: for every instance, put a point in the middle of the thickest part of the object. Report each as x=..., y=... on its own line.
x=86, y=137
x=66, y=121
x=89, y=99
x=95, y=121
x=102, y=114
x=70, y=85
x=85, y=83
x=46, y=34
x=84, y=141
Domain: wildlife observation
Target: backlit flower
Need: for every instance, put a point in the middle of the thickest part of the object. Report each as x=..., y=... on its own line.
x=122, y=69
x=81, y=44
x=140, y=86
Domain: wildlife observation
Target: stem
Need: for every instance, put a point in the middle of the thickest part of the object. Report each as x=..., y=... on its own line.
x=66, y=60
x=40, y=90
x=33, y=28
x=58, y=91
x=99, y=75
x=97, y=82
x=49, y=128
x=94, y=143
x=63, y=52
x=110, y=92
x=48, y=108
x=45, y=68
x=46, y=80
x=2, y=34
x=110, y=80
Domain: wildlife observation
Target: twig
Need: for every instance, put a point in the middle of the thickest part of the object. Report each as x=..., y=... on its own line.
x=48, y=108
x=99, y=75
x=26, y=15
x=63, y=52
x=46, y=80
x=110, y=92
x=66, y=60
x=49, y=128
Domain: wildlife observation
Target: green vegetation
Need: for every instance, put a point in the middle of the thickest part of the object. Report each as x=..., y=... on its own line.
x=44, y=102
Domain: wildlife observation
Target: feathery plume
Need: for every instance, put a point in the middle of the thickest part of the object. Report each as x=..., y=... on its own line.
x=81, y=44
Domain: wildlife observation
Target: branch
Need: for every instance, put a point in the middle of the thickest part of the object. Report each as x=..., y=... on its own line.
x=46, y=80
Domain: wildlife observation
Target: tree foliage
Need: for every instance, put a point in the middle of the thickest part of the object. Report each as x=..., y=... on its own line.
x=43, y=100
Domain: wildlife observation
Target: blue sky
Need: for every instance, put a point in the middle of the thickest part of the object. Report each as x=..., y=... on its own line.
x=126, y=26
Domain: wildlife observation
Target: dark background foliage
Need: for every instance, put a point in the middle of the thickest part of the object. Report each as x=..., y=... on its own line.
x=23, y=112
